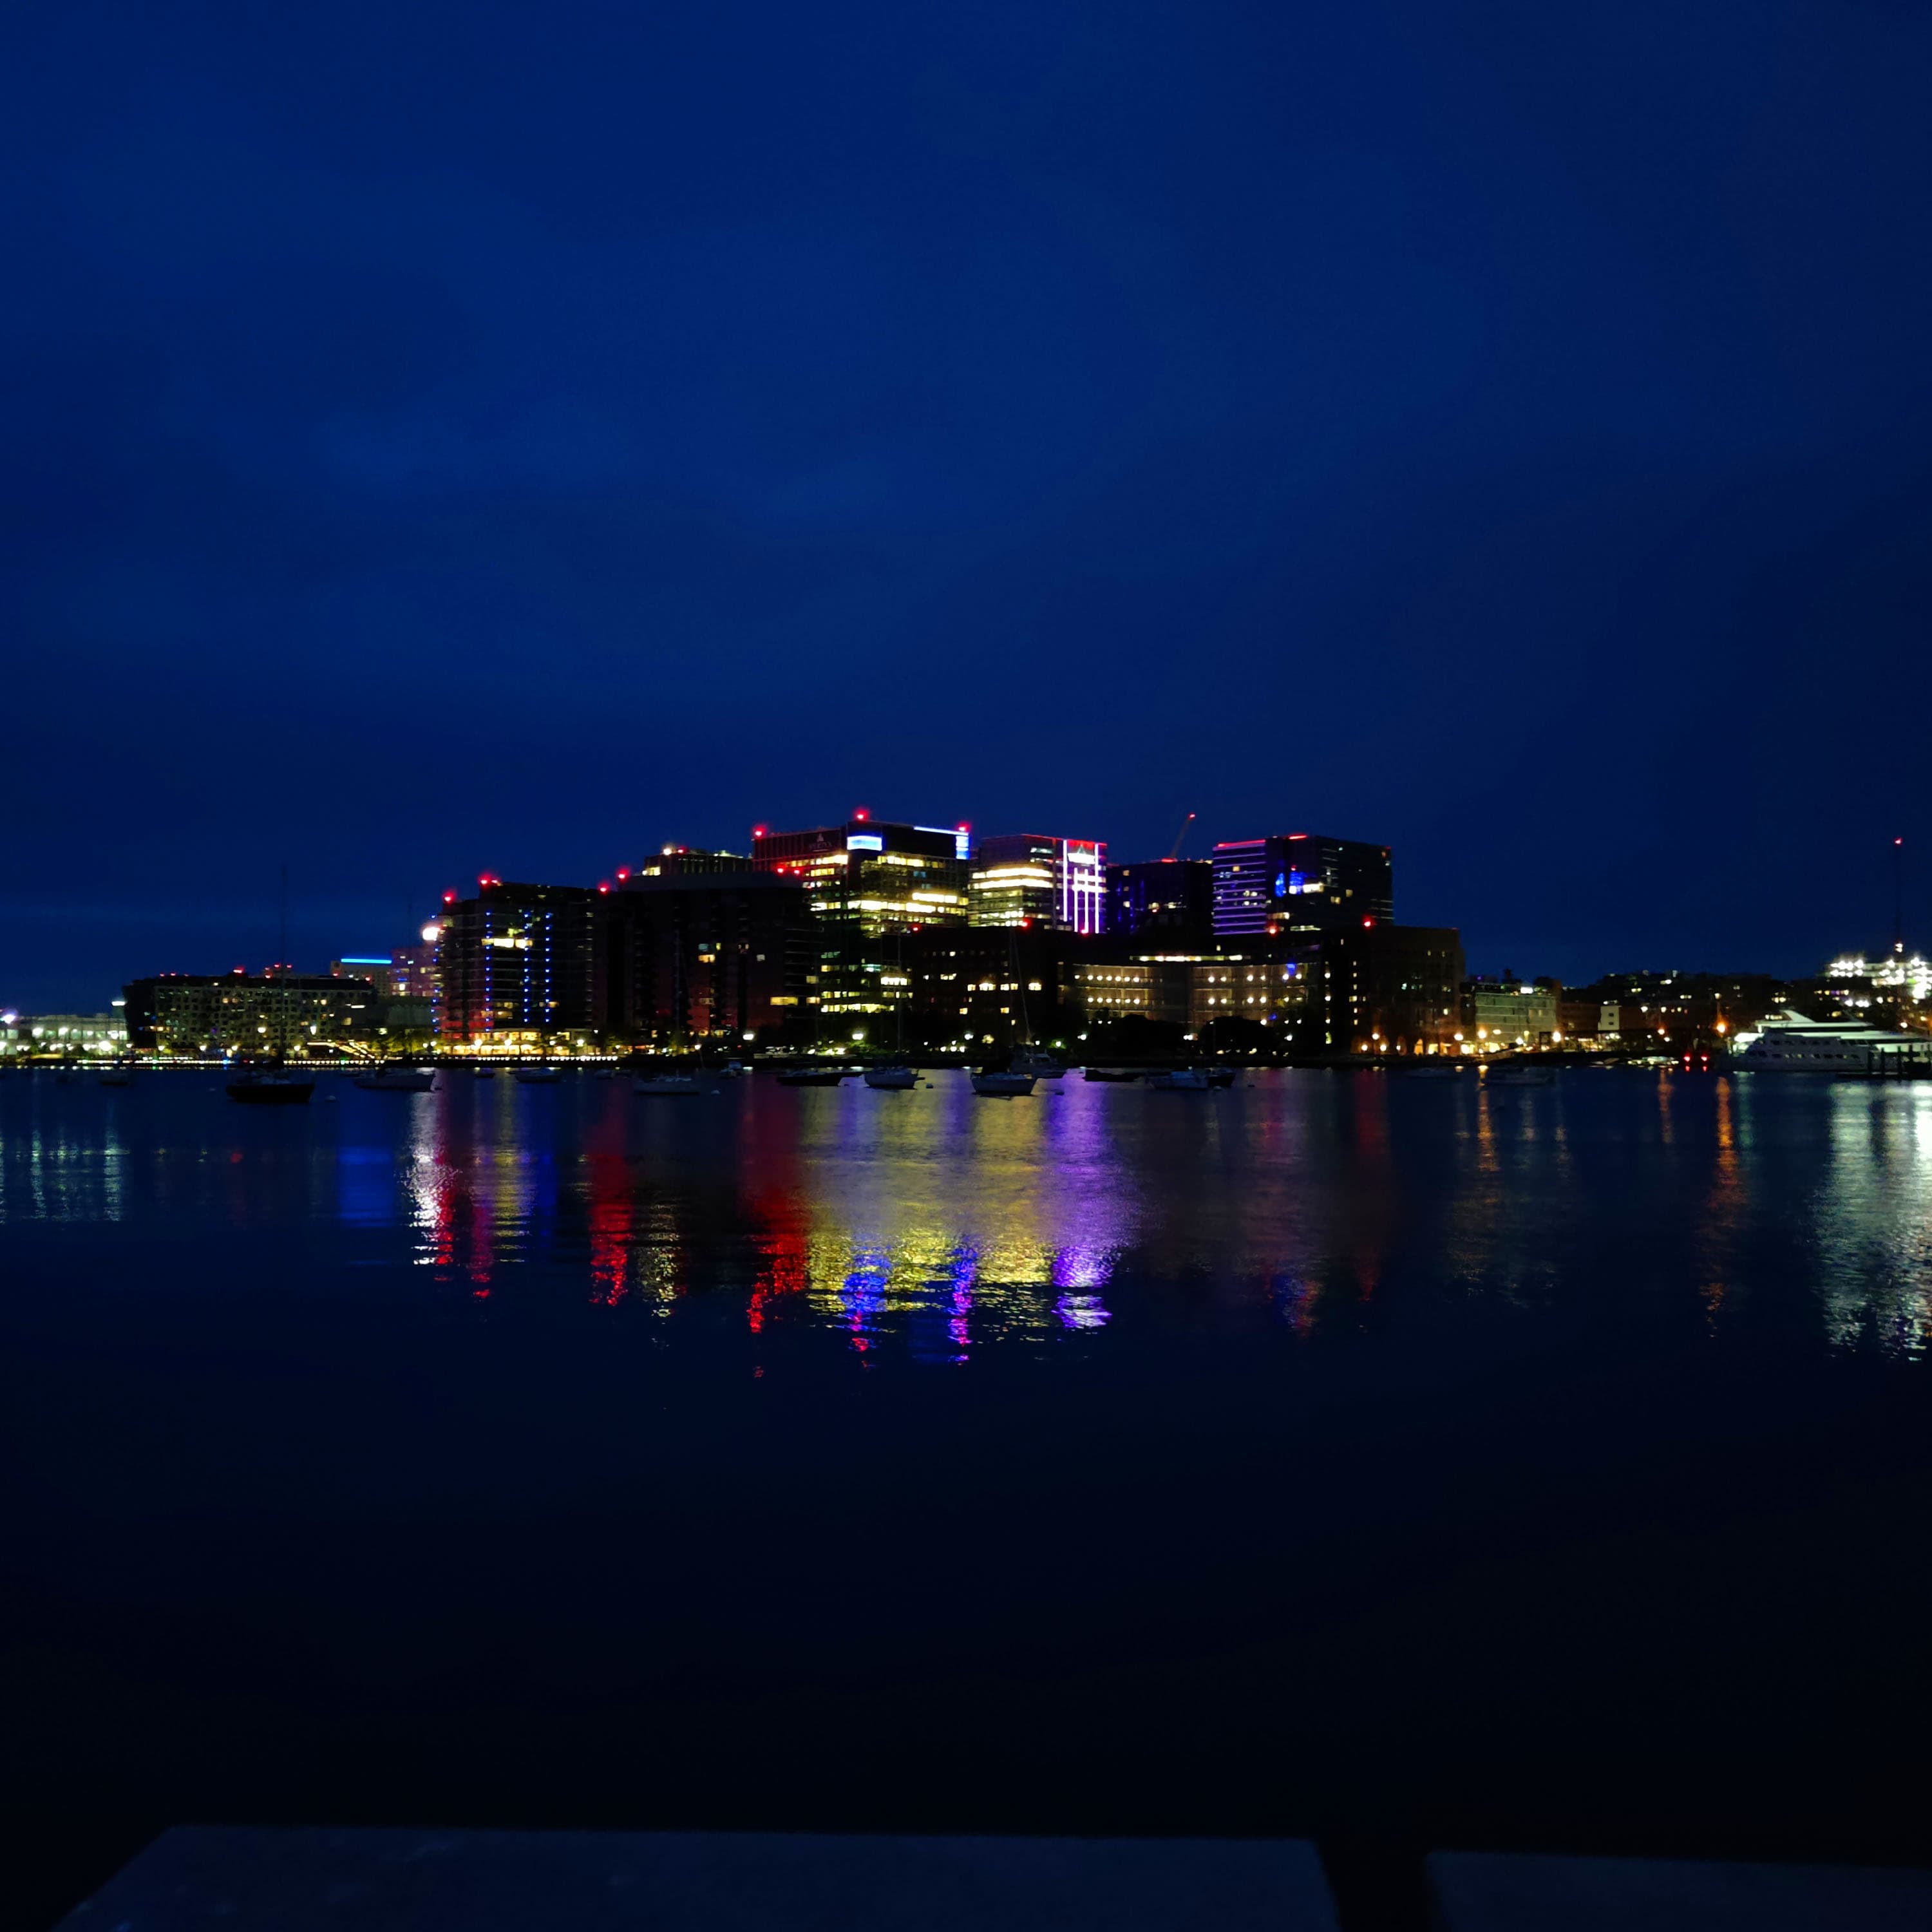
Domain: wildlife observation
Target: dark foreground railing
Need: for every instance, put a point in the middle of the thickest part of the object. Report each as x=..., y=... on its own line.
x=193, y=1879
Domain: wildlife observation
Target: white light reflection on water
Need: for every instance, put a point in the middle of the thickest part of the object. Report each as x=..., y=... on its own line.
x=1872, y=1216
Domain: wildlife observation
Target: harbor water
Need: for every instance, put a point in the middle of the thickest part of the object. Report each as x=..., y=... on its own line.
x=1402, y=1462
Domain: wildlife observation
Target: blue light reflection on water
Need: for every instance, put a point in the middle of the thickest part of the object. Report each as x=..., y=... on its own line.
x=931, y=1223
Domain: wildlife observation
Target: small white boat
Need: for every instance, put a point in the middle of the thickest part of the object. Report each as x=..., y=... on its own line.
x=733, y=1069
x=397, y=1080
x=1180, y=1080
x=664, y=1083
x=892, y=1078
x=1037, y=1061
x=538, y=1076
x=1006, y=1086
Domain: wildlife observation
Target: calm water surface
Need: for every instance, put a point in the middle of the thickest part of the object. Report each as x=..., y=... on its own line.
x=1402, y=1460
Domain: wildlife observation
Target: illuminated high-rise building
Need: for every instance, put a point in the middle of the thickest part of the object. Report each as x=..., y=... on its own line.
x=869, y=877
x=704, y=950
x=1299, y=882
x=1028, y=878
x=517, y=963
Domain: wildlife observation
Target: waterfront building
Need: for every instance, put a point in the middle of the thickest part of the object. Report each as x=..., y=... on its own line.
x=1029, y=878
x=869, y=877
x=1379, y=988
x=1890, y=981
x=277, y=1013
x=1655, y=1011
x=1505, y=1015
x=702, y=951
x=1095, y=990
x=62, y=1036
x=403, y=1011
x=1298, y=882
x=1270, y=989
x=1170, y=900
x=517, y=965
x=986, y=985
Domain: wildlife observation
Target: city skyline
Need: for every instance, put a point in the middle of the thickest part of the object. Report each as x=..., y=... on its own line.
x=1490, y=438
x=313, y=941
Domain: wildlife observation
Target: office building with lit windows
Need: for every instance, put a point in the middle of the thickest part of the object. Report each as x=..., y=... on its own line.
x=1299, y=882
x=871, y=878
x=518, y=965
x=1028, y=878
x=278, y=1012
x=1171, y=900
x=699, y=952
x=1382, y=988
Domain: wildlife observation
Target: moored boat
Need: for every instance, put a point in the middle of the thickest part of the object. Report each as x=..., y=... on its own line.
x=892, y=1078
x=1009, y=1085
x=397, y=1080
x=1118, y=1074
x=538, y=1076
x=666, y=1084
x=1037, y=1061
x=811, y=1076
x=1180, y=1080
x=271, y=1087
x=1522, y=1076
x=1789, y=1043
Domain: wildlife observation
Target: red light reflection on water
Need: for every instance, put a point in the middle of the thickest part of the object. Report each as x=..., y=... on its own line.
x=611, y=1224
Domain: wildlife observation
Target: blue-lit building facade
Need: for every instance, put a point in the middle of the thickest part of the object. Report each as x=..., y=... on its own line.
x=516, y=965
x=1299, y=882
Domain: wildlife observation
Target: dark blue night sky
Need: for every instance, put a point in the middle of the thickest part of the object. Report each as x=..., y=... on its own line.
x=441, y=437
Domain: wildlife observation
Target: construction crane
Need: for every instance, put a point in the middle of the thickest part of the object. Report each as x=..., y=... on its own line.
x=1174, y=850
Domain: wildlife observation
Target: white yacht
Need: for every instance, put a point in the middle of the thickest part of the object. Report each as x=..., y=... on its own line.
x=1789, y=1042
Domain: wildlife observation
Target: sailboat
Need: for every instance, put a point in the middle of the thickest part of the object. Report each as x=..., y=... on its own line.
x=1015, y=1079
x=897, y=1077
x=1037, y=1061
x=664, y=1083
